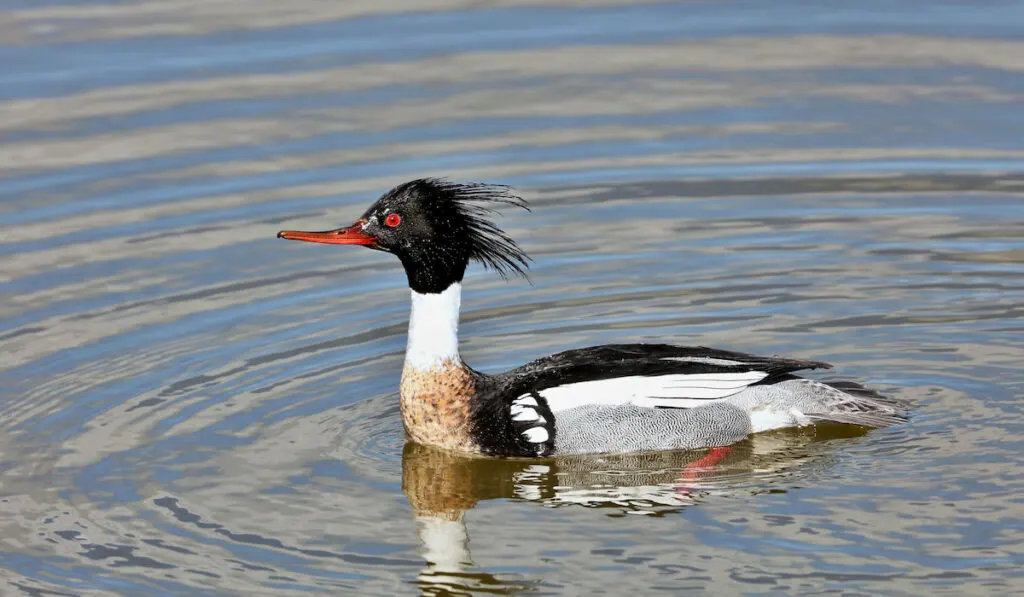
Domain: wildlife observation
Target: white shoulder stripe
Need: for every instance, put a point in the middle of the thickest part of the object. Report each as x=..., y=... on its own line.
x=526, y=400
x=525, y=413
x=536, y=435
x=677, y=390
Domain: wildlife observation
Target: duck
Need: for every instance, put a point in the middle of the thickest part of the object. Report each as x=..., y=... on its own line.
x=607, y=399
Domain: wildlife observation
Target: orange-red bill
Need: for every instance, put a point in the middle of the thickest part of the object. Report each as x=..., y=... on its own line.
x=353, y=235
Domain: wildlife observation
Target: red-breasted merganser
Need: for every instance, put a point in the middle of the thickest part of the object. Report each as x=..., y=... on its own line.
x=601, y=399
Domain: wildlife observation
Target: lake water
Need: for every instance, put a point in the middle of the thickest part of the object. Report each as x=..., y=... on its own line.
x=189, y=406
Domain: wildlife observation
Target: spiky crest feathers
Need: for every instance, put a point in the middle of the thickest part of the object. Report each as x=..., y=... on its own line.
x=474, y=204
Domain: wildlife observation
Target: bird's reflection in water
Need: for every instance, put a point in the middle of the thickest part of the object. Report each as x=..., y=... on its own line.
x=442, y=486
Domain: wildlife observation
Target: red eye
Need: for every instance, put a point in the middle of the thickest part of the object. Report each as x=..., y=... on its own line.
x=393, y=220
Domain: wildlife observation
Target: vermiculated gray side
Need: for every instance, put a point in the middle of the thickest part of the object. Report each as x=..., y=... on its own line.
x=629, y=428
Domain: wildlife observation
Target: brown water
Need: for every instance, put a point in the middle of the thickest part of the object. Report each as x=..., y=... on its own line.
x=189, y=406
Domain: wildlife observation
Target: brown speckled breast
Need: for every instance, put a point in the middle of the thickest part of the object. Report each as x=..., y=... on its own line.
x=435, y=405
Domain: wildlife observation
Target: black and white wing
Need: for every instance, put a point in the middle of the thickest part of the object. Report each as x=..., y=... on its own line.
x=515, y=412
x=647, y=375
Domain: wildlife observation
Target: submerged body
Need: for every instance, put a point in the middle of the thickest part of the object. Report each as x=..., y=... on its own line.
x=602, y=399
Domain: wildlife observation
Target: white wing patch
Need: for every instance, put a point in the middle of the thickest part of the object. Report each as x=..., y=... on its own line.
x=675, y=391
x=703, y=360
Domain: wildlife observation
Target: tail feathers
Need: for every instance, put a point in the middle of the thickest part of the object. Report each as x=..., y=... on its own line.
x=854, y=404
x=866, y=419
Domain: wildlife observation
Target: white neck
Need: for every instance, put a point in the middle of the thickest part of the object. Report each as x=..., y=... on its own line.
x=434, y=328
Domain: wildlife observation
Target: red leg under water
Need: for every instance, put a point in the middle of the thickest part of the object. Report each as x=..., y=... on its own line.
x=713, y=457
x=701, y=466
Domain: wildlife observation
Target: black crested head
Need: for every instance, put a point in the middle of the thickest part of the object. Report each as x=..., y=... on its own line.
x=436, y=227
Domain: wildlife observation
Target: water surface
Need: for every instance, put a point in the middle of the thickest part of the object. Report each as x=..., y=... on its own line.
x=189, y=406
